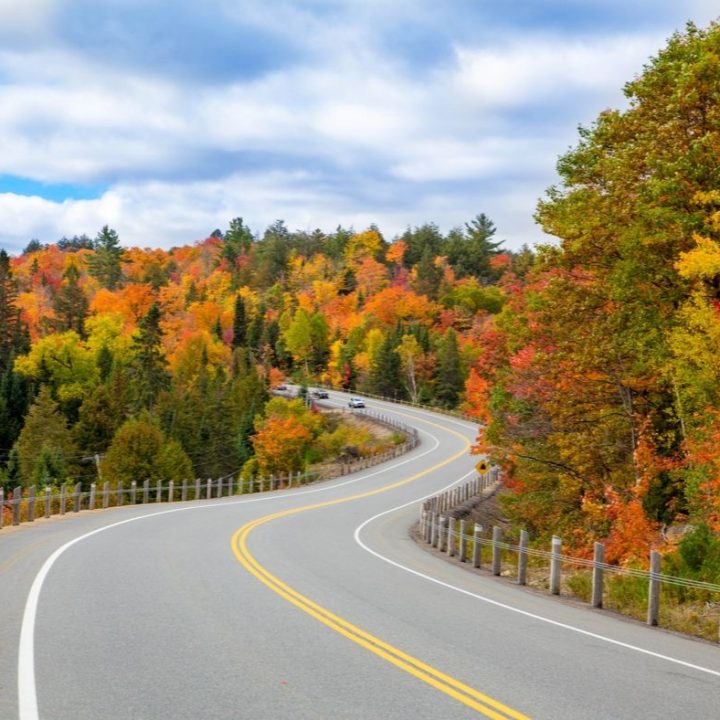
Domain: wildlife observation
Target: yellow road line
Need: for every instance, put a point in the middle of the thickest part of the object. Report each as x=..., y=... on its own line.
x=461, y=692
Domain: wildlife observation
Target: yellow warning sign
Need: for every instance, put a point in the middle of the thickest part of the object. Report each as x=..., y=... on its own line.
x=483, y=466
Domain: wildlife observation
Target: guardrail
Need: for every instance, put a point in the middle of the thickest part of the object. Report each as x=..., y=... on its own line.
x=33, y=503
x=481, y=546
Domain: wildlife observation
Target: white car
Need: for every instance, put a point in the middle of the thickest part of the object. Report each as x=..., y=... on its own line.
x=356, y=402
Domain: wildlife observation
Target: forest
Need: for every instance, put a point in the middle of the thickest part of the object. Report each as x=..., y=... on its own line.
x=590, y=362
x=158, y=364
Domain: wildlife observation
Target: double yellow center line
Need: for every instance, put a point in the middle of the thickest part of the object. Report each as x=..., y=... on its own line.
x=461, y=692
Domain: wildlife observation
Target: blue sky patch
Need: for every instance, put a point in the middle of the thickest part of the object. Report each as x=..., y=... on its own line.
x=56, y=192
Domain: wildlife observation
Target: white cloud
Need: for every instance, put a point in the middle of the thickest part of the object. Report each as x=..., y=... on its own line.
x=25, y=18
x=523, y=73
x=427, y=137
x=156, y=214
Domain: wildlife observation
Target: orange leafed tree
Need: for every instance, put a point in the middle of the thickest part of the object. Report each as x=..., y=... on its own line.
x=280, y=445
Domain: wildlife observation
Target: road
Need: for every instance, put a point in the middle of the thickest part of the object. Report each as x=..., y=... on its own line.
x=313, y=603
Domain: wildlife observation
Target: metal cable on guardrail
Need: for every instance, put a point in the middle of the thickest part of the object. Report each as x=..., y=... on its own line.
x=442, y=525
x=589, y=563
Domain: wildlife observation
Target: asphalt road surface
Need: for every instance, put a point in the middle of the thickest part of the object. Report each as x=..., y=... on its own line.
x=313, y=603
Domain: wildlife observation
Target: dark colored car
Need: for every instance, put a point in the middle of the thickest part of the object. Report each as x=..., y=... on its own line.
x=320, y=394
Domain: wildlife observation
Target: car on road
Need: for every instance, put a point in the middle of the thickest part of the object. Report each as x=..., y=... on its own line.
x=356, y=402
x=320, y=394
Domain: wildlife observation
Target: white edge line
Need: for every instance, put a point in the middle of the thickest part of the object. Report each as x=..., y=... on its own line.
x=510, y=608
x=27, y=689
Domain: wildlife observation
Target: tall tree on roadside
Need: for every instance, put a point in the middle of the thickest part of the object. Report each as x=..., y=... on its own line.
x=45, y=440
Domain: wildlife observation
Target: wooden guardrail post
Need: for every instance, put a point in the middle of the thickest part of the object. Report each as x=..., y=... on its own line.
x=48, y=501
x=171, y=491
x=462, y=550
x=146, y=492
x=451, y=537
x=555, y=553
x=17, y=497
x=654, y=589
x=496, y=550
x=63, y=498
x=31, y=503
x=597, y=575
x=158, y=491
x=522, y=558
x=477, y=546
x=133, y=492
x=183, y=492
x=119, y=493
x=442, y=533
x=208, y=495
x=197, y=488
x=91, y=502
x=76, y=497
x=106, y=495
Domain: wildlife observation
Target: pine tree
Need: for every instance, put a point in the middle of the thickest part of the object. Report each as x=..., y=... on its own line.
x=45, y=431
x=16, y=394
x=469, y=252
x=427, y=275
x=9, y=317
x=240, y=326
x=255, y=331
x=386, y=369
x=148, y=366
x=15, y=390
x=70, y=304
x=105, y=362
x=237, y=241
x=450, y=379
x=106, y=263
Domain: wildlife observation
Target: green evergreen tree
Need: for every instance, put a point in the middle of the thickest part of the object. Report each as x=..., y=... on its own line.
x=105, y=362
x=469, y=252
x=16, y=393
x=70, y=304
x=240, y=325
x=428, y=275
x=255, y=330
x=237, y=241
x=272, y=254
x=9, y=314
x=45, y=427
x=106, y=263
x=101, y=414
x=426, y=238
x=386, y=370
x=450, y=377
x=148, y=367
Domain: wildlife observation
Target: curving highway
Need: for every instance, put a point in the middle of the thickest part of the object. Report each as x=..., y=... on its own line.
x=313, y=603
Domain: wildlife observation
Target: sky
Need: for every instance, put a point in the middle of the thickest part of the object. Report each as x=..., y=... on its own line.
x=166, y=119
